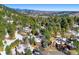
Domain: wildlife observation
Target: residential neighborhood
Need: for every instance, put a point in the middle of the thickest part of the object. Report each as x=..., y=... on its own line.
x=42, y=34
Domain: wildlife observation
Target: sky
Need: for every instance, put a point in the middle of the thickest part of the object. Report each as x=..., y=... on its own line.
x=46, y=7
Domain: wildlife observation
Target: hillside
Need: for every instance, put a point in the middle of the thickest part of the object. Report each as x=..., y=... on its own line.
x=27, y=32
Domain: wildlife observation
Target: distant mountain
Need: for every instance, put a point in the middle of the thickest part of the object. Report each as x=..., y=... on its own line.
x=29, y=12
x=35, y=12
x=47, y=13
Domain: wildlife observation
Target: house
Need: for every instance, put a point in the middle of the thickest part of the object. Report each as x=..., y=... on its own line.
x=77, y=38
x=58, y=35
x=18, y=36
x=21, y=48
x=13, y=51
x=72, y=32
x=61, y=40
x=10, y=21
x=75, y=25
x=6, y=35
x=27, y=29
x=37, y=39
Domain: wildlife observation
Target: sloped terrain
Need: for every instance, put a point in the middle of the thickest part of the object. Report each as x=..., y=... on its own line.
x=22, y=34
